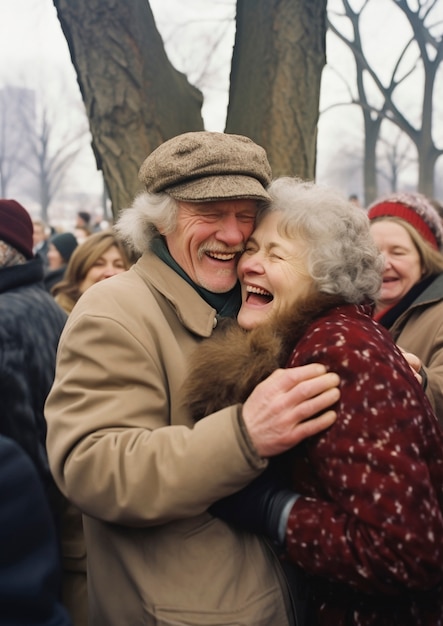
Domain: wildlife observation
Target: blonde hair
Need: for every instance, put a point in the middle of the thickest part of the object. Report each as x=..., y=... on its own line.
x=67, y=291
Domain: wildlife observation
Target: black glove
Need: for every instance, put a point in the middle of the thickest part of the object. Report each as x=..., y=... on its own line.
x=257, y=507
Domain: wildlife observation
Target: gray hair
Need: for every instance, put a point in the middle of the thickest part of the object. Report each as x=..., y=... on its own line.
x=149, y=214
x=343, y=259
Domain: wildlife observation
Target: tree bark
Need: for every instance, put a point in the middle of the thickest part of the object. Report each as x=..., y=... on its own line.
x=278, y=58
x=135, y=99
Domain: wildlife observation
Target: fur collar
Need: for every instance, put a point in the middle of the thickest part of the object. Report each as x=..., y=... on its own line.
x=225, y=368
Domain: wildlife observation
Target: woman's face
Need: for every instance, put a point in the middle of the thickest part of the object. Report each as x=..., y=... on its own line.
x=109, y=264
x=403, y=267
x=55, y=259
x=273, y=273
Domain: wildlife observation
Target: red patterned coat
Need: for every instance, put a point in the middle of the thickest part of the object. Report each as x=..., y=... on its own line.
x=368, y=529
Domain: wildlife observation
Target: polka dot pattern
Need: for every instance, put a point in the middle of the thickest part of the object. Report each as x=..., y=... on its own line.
x=368, y=528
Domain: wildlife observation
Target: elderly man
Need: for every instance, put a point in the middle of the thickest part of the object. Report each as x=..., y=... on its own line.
x=123, y=447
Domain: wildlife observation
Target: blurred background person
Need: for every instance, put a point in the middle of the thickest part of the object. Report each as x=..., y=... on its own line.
x=83, y=220
x=408, y=231
x=101, y=256
x=83, y=226
x=61, y=246
x=40, y=238
x=354, y=199
x=81, y=233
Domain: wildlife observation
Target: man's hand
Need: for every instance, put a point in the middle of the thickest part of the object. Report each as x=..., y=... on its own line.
x=278, y=412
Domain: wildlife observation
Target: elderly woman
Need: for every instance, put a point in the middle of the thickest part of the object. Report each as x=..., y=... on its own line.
x=409, y=232
x=359, y=507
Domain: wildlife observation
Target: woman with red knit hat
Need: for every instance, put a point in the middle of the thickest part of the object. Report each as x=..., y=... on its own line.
x=409, y=232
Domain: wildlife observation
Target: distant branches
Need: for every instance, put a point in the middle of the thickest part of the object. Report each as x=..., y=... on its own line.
x=419, y=57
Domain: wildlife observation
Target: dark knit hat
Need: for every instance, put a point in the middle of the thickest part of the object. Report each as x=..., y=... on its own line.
x=65, y=243
x=416, y=210
x=208, y=166
x=16, y=227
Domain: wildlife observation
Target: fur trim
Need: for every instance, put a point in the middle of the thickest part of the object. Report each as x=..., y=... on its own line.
x=226, y=368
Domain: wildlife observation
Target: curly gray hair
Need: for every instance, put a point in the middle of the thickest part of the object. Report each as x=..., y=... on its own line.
x=343, y=259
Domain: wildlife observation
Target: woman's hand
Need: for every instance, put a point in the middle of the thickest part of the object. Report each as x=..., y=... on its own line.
x=416, y=366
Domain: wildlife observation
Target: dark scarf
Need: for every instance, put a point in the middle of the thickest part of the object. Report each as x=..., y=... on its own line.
x=20, y=275
x=226, y=304
x=388, y=318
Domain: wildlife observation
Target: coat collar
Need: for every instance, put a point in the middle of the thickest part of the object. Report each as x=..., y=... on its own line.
x=193, y=312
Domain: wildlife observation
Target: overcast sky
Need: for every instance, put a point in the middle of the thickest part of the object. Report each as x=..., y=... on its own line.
x=34, y=52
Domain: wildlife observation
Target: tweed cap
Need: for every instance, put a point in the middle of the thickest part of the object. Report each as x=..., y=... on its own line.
x=207, y=166
x=416, y=210
x=16, y=227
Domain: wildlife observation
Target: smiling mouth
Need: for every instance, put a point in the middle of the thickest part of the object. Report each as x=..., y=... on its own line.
x=257, y=295
x=221, y=256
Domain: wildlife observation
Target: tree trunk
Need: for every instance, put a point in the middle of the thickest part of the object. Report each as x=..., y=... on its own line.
x=134, y=97
x=372, y=132
x=278, y=58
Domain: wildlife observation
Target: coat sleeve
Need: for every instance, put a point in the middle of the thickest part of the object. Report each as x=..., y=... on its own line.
x=423, y=336
x=121, y=446
x=374, y=517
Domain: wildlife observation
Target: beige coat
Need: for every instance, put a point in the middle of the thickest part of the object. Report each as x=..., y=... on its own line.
x=419, y=330
x=124, y=449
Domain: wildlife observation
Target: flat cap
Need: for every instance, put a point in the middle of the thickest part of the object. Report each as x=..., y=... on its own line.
x=207, y=166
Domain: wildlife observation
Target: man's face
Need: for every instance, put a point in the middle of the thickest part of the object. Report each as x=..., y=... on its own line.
x=209, y=238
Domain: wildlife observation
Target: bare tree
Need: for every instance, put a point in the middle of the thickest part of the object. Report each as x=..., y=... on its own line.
x=395, y=157
x=50, y=153
x=135, y=99
x=429, y=57
x=14, y=140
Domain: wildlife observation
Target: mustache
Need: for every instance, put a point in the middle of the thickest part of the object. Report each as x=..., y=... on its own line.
x=219, y=248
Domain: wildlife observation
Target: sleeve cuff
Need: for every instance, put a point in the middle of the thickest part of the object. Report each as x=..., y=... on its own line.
x=283, y=522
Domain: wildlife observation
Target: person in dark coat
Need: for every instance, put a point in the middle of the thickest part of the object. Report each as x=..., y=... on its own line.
x=29, y=560
x=30, y=326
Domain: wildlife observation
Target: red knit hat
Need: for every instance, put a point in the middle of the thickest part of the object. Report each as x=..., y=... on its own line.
x=416, y=210
x=16, y=227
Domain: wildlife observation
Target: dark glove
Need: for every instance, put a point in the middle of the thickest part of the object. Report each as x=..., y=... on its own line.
x=258, y=507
